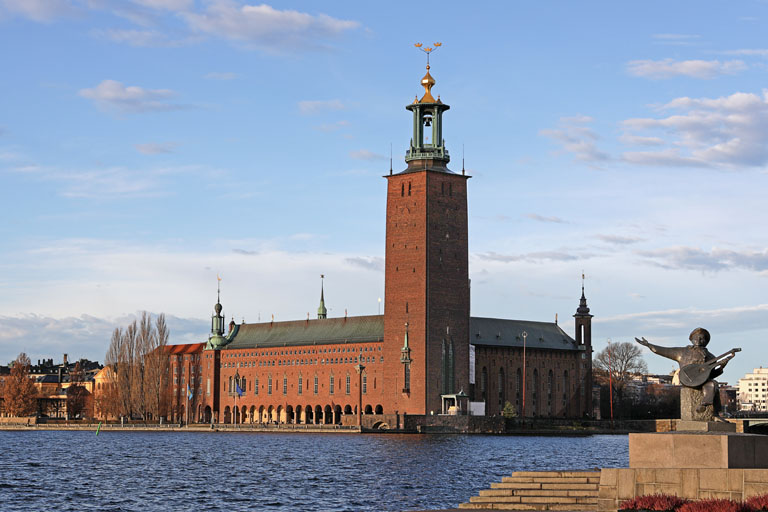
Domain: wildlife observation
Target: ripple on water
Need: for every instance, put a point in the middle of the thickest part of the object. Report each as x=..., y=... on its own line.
x=122, y=471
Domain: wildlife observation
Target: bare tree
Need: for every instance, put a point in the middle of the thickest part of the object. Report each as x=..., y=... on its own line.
x=622, y=360
x=155, y=358
x=76, y=392
x=19, y=392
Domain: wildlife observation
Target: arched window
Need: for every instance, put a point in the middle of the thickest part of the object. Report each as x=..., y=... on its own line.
x=484, y=384
x=502, y=396
x=566, y=392
x=550, y=383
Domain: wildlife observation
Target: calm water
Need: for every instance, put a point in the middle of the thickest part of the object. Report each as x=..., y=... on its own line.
x=119, y=471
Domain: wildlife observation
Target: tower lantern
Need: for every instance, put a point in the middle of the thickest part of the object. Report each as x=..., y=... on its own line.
x=427, y=141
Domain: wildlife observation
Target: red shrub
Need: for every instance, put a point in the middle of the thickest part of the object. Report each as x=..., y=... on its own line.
x=714, y=506
x=656, y=502
x=757, y=502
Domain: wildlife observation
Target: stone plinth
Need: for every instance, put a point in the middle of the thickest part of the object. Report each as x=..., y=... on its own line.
x=713, y=450
x=621, y=484
x=705, y=426
x=690, y=400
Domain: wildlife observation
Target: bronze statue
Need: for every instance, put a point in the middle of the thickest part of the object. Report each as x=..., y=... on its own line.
x=698, y=366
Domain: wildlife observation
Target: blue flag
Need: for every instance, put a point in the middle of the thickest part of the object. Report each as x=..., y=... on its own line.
x=238, y=389
x=189, y=393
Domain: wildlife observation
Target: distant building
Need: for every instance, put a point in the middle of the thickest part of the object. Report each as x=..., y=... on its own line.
x=753, y=390
x=425, y=355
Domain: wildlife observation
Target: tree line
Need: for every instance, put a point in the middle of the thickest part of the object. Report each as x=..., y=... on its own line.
x=137, y=366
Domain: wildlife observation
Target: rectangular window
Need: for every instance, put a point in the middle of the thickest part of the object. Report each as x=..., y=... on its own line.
x=269, y=385
x=285, y=385
x=315, y=384
x=407, y=378
x=208, y=386
x=300, y=384
x=365, y=384
x=348, y=384
x=331, y=387
x=256, y=386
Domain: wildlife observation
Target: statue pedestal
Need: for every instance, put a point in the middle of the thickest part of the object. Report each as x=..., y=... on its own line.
x=692, y=465
x=705, y=426
x=698, y=450
x=690, y=400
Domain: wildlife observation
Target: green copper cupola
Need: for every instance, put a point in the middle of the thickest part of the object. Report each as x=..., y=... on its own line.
x=427, y=142
x=217, y=339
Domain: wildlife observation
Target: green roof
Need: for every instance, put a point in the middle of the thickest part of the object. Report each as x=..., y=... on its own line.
x=355, y=329
x=496, y=332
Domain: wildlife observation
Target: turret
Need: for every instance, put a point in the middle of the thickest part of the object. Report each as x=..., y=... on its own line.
x=217, y=339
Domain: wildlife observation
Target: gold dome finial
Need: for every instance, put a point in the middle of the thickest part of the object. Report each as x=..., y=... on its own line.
x=427, y=82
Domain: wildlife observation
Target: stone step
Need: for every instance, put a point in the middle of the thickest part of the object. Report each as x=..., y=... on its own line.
x=531, y=499
x=555, y=474
x=571, y=507
x=551, y=480
x=537, y=485
x=536, y=492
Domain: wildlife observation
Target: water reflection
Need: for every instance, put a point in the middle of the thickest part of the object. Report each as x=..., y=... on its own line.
x=119, y=471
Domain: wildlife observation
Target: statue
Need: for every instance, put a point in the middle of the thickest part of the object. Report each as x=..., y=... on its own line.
x=698, y=369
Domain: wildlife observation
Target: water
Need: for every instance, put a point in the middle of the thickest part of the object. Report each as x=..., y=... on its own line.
x=121, y=471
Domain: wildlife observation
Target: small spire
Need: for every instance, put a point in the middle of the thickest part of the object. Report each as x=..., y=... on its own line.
x=321, y=311
x=427, y=82
x=583, y=309
x=390, y=159
x=462, y=160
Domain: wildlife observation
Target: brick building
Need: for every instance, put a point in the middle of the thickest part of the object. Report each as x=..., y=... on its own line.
x=423, y=355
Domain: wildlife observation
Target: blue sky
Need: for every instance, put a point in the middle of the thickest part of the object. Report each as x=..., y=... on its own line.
x=146, y=145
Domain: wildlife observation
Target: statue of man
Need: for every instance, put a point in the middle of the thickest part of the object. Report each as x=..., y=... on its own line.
x=698, y=366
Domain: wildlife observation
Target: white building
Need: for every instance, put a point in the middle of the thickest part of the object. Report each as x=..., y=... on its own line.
x=753, y=390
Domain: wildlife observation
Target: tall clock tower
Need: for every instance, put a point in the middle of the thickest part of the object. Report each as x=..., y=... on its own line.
x=426, y=315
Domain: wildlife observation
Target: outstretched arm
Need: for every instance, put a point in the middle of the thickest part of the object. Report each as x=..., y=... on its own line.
x=670, y=353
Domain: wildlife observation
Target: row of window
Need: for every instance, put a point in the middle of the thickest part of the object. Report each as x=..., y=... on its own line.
x=294, y=352
x=300, y=389
x=300, y=362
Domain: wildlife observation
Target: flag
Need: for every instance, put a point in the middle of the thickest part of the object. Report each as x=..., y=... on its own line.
x=189, y=393
x=238, y=389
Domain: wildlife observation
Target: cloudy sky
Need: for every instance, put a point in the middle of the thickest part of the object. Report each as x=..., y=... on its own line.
x=147, y=145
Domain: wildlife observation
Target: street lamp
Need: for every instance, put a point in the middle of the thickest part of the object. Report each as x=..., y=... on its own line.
x=360, y=369
x=610, y=379
x=525, y=336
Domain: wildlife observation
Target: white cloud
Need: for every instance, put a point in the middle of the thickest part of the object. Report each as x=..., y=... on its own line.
x=668, y=68
x=619, y=239
x=636, y=140
x=111, y=94
x=748, y=52
x=364, y=154
x=38, y=10
x=722, y=132
x=221, y=76
x=139, y=38
x=309, y=107
x=170, y=5
x=265, y=27
x=577, y=138
x=533, y=257
x=542, y=218
x=694, y=258
x=155, y=148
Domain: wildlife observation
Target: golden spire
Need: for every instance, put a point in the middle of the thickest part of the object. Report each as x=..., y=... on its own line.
x=427, y=82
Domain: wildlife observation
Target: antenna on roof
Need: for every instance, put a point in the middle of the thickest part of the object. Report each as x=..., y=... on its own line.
x=462, y=159
x=390, y=159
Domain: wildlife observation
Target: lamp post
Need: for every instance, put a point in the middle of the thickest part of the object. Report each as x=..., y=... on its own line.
x=360, y=369
x=610, y=379
x=525, y=336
